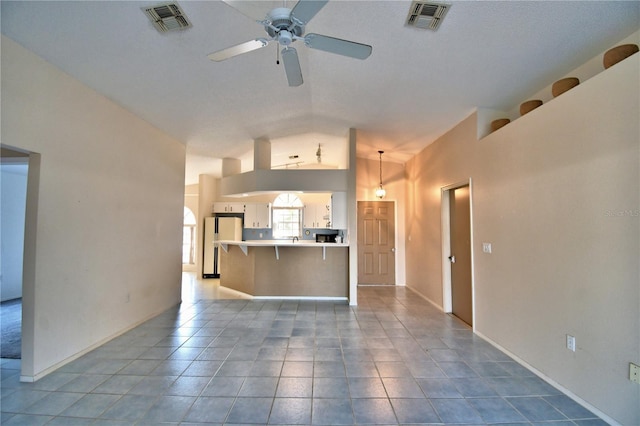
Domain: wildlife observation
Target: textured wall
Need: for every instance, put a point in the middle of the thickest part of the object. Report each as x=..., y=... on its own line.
x=557, y=193
x=105, y=224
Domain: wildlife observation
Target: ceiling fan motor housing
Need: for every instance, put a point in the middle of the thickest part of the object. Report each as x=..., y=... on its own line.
x=282, y=27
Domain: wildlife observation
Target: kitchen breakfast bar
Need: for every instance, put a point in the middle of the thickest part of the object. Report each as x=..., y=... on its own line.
x=286, y=269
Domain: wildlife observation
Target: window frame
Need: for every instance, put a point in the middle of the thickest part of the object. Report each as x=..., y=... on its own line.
x=291, y=203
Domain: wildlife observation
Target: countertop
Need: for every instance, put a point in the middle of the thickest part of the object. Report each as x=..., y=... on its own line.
x=281, y=243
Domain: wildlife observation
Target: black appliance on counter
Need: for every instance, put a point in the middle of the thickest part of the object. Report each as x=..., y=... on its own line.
x=326, y=237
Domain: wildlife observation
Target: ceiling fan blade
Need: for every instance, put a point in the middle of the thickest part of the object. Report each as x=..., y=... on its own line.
x=304, y=10
x=338, y=46
x=239, y=49
x=292, y=66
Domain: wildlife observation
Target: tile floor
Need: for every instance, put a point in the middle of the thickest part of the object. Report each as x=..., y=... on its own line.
x=393, y=359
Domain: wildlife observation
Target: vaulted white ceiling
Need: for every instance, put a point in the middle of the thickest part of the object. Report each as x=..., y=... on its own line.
x=416, y=85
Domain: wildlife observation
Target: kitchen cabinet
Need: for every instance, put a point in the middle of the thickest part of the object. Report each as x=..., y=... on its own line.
x=228, y=207
x=317, y=215
x=339, y=219
x=257, y=215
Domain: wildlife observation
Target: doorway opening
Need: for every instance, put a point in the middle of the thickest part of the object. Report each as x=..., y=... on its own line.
x=28, y=267
x=457, y=251
x=20, y=181
x=14, y=171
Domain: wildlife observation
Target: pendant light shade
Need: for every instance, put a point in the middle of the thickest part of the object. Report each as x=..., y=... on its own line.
x=380, y=191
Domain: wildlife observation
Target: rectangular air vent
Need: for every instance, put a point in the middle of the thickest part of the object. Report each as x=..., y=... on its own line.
x=167, y=17
x=427, y=16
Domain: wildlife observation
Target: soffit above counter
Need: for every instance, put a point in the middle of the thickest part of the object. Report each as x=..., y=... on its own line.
x=263, y=181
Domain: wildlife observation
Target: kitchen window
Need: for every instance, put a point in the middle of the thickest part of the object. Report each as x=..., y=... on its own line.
x=287, y=216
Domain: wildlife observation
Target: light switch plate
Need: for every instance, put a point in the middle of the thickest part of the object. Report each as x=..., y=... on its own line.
x=634, y=372
x=571, y=343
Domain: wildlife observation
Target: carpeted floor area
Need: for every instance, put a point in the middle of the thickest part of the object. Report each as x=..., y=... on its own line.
x=11, y=329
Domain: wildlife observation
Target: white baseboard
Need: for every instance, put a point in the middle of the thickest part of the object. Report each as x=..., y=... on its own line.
x=439, y=307
x=534, y=370
x=43, y=373
x=549, y=380
x=311, y=298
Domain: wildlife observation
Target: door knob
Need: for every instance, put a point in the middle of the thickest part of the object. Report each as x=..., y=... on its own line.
x=393, y=250
x=452, y=259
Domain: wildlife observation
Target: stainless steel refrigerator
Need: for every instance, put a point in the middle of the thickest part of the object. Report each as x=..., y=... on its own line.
x=216, y=229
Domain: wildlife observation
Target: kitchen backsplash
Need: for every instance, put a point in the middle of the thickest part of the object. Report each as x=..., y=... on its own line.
x=267, y=234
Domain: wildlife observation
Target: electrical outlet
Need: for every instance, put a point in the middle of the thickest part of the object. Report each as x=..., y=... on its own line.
x=571, y=343
x=634, y=372
x=486, y=247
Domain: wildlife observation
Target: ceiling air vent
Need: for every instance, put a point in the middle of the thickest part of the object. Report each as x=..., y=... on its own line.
x=427, y=16
x=167, y=17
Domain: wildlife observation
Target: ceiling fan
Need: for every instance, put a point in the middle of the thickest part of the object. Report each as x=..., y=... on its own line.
x=286, y=26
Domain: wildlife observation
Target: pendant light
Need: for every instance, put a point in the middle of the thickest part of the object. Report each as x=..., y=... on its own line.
x=380, y=192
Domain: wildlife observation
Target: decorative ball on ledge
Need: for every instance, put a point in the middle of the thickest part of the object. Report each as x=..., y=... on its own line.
x=618, y=53
x=561, y=86
x=529, y=106
x=501, y=122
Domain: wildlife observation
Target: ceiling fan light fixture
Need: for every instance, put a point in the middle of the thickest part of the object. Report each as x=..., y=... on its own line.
x=285, y=38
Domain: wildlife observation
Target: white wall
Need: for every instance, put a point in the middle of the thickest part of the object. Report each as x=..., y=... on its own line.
x=13, y=180
x=557, y=193
x=105, y=229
